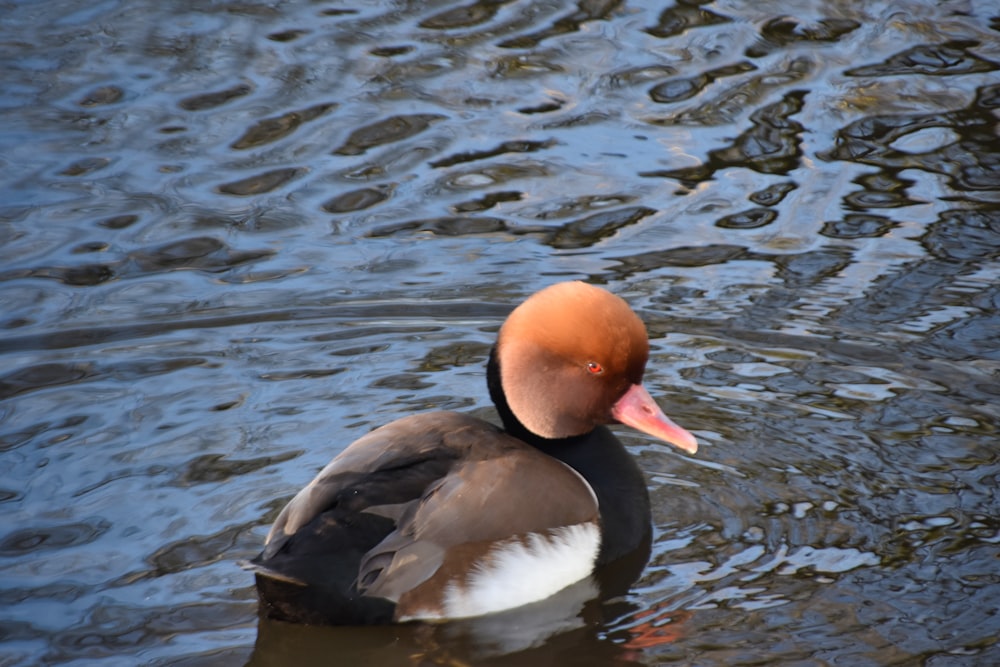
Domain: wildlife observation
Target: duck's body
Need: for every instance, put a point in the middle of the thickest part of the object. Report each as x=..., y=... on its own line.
x=442, y=515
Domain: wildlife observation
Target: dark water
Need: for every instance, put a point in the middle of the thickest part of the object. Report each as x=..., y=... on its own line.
x=236, y=235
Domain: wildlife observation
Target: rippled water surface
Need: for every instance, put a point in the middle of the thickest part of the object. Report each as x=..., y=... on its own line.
x=234, y=236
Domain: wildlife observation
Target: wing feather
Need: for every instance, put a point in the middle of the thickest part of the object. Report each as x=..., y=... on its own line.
x=441, y=483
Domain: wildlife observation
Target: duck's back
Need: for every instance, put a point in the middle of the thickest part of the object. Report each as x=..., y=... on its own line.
x=437, y=515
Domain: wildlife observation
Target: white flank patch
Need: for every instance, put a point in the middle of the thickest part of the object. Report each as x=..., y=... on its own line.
x=520, y=572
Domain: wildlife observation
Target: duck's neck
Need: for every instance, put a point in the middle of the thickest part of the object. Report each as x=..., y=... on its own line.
x=603, y=461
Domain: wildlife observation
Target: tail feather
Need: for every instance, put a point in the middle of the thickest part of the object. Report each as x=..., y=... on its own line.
x=264, y=571
x=311, y=577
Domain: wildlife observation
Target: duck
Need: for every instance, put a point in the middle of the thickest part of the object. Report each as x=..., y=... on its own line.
x=440, y=515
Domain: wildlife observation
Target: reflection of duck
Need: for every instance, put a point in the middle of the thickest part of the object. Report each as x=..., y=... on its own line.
x=442, y=515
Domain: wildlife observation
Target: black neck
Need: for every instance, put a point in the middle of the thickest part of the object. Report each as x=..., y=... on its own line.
x=602, y=460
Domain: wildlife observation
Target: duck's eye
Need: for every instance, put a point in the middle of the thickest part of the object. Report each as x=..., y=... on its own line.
x=594, y=368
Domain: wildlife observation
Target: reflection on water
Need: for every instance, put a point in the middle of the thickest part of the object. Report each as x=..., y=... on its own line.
x=236, y=236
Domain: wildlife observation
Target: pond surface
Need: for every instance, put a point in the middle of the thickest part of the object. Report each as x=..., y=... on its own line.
x=235, y=236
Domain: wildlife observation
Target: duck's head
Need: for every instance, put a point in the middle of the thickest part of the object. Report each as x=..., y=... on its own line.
x=572, y=357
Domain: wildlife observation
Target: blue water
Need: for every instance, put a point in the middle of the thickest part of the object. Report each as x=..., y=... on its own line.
x=235, y=236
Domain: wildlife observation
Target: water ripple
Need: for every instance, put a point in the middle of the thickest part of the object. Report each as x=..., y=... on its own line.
x=235, y=237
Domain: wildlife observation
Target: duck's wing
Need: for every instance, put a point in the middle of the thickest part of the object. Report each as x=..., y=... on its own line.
x=492, y=534
x=420, y=505
x=381, y=471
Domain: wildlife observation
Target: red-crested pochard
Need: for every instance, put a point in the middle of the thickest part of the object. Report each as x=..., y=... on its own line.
x=441, y=515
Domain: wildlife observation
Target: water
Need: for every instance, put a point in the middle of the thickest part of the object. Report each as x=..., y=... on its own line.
x=234, y=236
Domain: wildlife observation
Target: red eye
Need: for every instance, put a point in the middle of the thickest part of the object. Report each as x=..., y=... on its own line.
x=594, y=368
